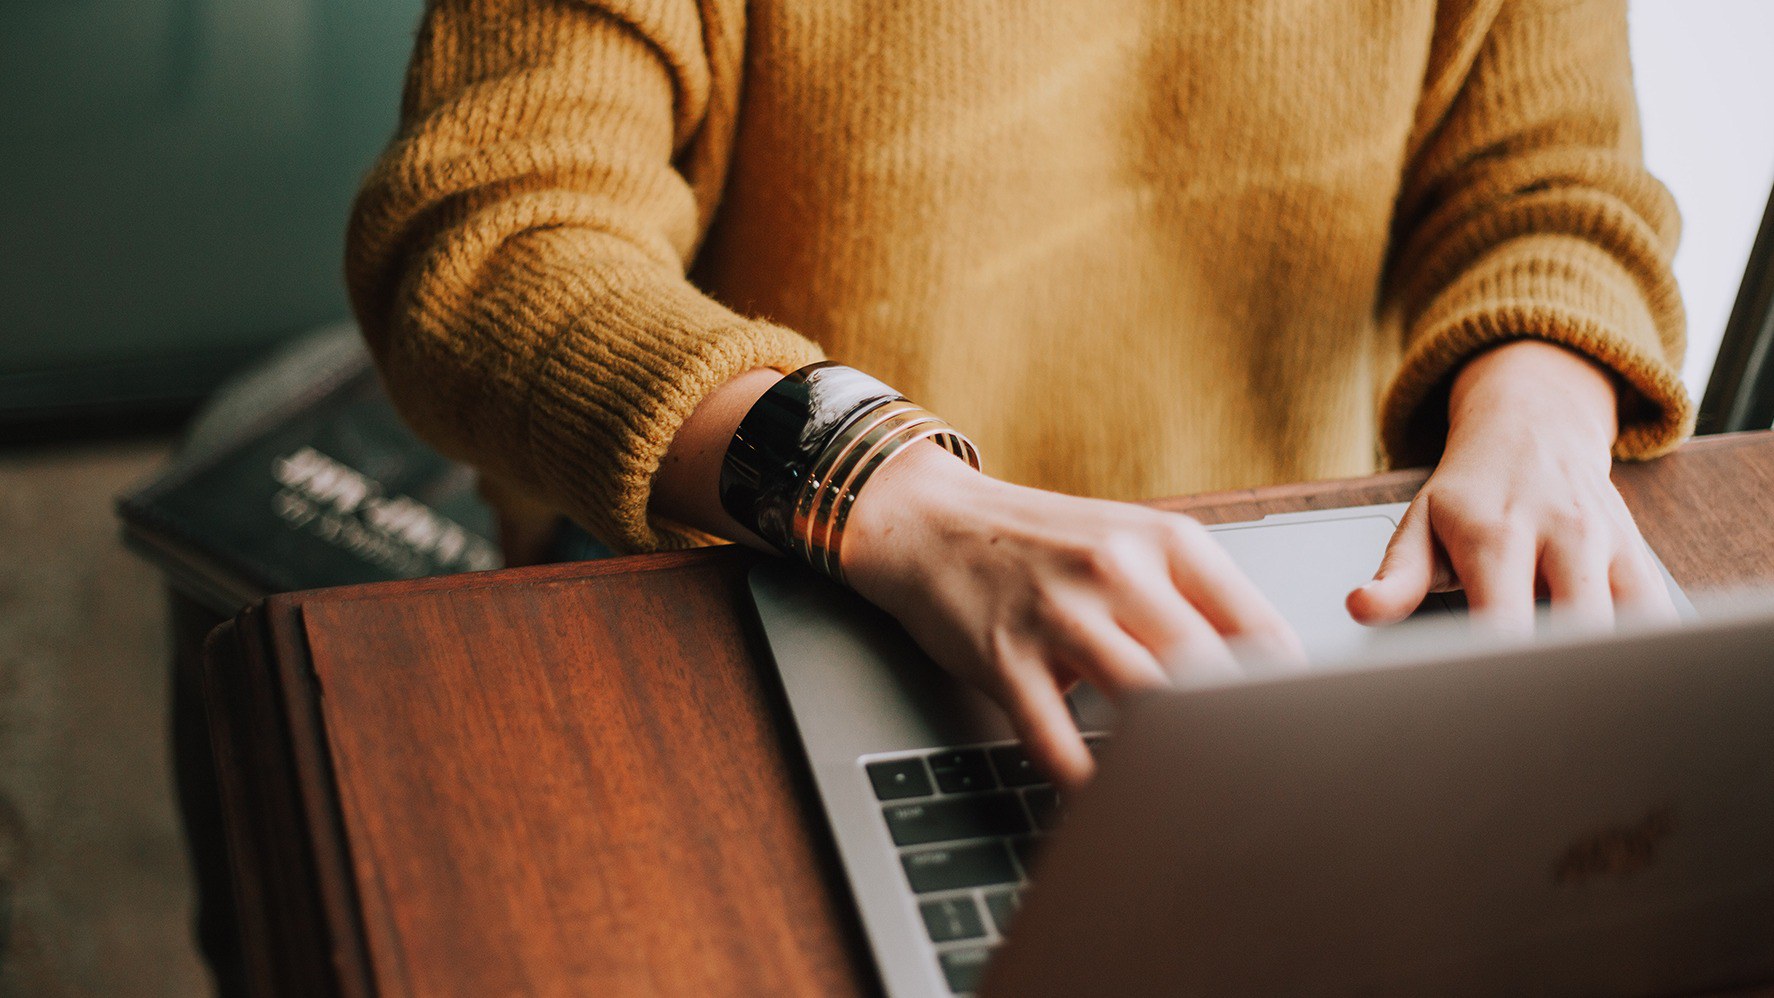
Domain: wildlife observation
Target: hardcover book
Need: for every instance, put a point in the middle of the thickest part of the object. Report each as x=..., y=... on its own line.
x=327, y=488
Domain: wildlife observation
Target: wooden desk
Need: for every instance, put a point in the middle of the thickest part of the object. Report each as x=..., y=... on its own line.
x=581, y=779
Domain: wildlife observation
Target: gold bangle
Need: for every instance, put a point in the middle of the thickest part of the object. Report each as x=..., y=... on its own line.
x=827, y=468
x=942, y=432
x=847, y=462
x=847, y=478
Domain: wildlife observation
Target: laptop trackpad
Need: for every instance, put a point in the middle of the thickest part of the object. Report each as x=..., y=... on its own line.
x=1306, y=568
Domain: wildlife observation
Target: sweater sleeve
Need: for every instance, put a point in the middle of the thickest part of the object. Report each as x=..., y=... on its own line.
x=1526, y=211
x=517, y=257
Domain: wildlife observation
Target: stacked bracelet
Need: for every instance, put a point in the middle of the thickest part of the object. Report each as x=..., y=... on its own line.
x=804, y=452
x=856, y=453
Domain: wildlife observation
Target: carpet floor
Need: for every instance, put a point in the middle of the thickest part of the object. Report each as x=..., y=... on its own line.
x=94, y=893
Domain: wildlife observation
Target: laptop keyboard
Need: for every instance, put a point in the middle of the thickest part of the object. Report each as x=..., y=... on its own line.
x=966, y=823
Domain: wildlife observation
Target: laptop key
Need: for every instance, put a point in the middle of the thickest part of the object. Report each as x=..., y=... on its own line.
x=899, y=778
x=1043, y=807
x=985, y=864
x=949, y=919
x=949, y=818
x=1027, y=847
x=965, y=968
x=1002, y=904
x=1015, y=768
x=960, y=771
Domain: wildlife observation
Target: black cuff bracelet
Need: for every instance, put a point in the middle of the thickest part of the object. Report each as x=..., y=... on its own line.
x=778, y=443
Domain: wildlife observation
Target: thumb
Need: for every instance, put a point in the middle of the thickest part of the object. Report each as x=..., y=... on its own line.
x=1405, y=574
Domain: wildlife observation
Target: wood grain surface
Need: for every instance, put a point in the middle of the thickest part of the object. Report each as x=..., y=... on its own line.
x=581, y=779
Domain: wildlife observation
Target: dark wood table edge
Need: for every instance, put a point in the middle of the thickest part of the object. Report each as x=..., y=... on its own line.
x=302, y=928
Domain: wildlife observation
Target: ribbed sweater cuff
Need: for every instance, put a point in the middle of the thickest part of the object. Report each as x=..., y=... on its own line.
x=613, y=391
x=1562, y=290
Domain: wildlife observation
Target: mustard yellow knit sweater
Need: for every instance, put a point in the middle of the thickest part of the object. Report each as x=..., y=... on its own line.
x=1133, y=248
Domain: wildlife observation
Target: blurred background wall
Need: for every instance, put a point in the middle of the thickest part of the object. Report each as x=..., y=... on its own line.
x=1706, y=94
x=176, y=177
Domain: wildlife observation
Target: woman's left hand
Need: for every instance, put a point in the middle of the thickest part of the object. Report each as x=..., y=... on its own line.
x=1520, y=504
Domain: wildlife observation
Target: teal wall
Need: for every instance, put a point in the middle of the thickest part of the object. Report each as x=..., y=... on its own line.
x=176, y=175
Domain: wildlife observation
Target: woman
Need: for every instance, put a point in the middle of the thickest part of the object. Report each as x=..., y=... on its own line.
x=1131, y=250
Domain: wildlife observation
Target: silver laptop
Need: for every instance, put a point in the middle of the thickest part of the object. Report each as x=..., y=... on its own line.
x=938, y=816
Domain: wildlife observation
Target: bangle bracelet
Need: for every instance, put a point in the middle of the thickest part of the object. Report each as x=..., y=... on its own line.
x=836, y=480
x=888, y=441
x=814, y=503
x=805, y=451
x=779, y=441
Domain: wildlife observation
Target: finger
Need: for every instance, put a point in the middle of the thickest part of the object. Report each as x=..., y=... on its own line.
x=1096, y=648
x=1044, y=723
x=1576, y=574
x=1496, y=567
x=1638, y=587
x=1225, y=599
x=1407, y=573
x=1202, y=655
x=1064, y=678
x=1154, y=613
x=1186, y=647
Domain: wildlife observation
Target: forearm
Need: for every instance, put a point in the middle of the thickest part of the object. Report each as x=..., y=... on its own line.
x=516, y=259
x=1527, y=212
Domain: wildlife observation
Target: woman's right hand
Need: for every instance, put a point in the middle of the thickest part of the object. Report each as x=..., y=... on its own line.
x=1023, y=593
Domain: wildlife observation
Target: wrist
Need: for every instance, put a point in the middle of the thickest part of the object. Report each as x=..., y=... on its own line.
x=1538, y=387
x=919, y=486
x=808, y=448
